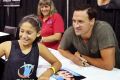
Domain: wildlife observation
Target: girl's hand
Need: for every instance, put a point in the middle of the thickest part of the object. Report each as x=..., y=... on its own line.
x=83, y=60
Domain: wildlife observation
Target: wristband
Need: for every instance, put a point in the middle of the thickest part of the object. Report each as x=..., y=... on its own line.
x=54, y=71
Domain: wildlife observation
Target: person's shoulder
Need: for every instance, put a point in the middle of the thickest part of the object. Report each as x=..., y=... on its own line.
x=42, y=48
x=102, y=27
x=40, y=45
x=69, y=30
x=102, y=24
x=56, y=15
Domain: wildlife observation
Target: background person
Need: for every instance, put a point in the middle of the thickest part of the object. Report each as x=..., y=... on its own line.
x=109, y=4
x=94, y=40
x=23, y=54
x=52, y=24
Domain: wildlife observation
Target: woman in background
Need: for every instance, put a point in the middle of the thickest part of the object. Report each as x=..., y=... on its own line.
x=23, y=54
x=52, y=24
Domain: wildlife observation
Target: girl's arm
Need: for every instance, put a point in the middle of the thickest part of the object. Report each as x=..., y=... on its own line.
x=48, y=56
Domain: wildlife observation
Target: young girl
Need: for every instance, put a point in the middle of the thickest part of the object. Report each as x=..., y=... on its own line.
x=23, y=54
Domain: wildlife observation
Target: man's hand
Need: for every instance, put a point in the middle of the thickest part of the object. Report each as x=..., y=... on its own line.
x=77, y=61
x=83, y=61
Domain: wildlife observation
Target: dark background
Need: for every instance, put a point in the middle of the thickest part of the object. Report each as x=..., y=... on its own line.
x=30, y=6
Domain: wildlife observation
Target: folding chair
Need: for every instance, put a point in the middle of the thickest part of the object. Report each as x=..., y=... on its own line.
x=12, y=31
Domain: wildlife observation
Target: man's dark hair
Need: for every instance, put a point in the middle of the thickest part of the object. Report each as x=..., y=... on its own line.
x=91, y=10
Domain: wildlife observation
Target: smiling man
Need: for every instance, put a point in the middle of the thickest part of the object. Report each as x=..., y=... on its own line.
x=94, y=40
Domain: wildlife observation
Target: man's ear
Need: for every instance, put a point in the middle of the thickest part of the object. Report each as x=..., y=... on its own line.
x=92, y=21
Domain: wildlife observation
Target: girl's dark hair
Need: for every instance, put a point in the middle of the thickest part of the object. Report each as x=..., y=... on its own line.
x=91, y=10
x=32, y=19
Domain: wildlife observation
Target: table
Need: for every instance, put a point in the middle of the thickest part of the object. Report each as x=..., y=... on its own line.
x=91, y=72
x=4, y=36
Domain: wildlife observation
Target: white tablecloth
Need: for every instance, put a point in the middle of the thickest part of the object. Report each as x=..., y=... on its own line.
x=91, y=72
x=3, y=34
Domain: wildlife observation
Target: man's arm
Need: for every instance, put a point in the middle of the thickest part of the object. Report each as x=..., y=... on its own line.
x=107, y=60
x=69, y=55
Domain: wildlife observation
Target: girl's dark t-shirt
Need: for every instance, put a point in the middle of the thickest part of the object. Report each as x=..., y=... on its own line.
x=19, y=65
